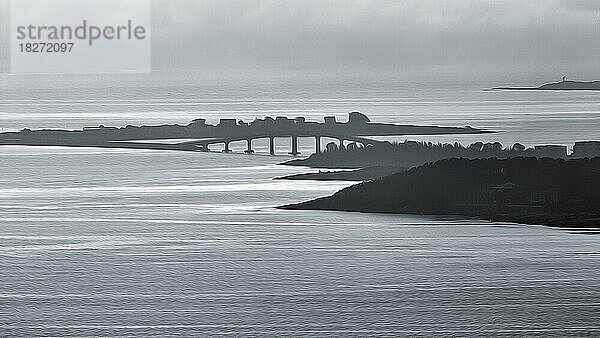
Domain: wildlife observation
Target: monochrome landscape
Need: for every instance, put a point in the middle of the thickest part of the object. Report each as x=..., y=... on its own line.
x=302, y=169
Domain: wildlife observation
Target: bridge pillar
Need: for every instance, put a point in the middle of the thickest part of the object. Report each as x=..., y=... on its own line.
x=227, y=150
x=317, y=144
x=342, y=147
x=249, y=150
x=295, y=146
x=272, y=145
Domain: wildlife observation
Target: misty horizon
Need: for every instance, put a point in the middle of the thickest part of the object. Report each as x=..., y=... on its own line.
x=300, y=168
x=458, y=38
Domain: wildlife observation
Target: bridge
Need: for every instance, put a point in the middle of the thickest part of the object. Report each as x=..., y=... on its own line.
x=203, y=145
x=199, y=136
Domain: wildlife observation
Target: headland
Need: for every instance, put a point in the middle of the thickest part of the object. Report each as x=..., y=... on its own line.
x=554, y=192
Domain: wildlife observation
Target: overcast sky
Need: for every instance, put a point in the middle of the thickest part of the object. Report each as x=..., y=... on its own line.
x=502, y=35
x=376, y=33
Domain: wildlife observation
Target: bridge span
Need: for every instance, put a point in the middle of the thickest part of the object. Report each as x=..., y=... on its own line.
x=203, y=145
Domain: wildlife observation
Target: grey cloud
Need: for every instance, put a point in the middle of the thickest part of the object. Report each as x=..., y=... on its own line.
x=381, y=33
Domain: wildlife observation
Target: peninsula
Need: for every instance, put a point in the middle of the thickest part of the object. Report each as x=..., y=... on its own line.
x=365, y=174
x=562, y=85
x=555, y=192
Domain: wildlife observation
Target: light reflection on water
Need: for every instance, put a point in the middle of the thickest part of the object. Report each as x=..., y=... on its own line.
x=97, y=242
x=119, y=243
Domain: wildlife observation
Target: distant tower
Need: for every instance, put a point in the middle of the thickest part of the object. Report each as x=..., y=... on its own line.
x=564, y=79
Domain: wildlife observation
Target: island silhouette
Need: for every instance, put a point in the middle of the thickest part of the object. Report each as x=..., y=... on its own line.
x=199, y=135
x=562, y=85
x=409, y=154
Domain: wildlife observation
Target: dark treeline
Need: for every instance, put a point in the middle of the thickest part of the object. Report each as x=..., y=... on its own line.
x=408, y=154
x=525, y=190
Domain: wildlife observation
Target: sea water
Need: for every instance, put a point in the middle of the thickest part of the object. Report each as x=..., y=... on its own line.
x=100, y=242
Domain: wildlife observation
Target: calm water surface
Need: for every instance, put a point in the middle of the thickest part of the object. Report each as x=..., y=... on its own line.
x=116, y=243
x=98, y=243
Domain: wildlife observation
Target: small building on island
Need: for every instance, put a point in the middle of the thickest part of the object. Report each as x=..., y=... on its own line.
x=227, y=123
x=358, y=118
x=330, y=120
